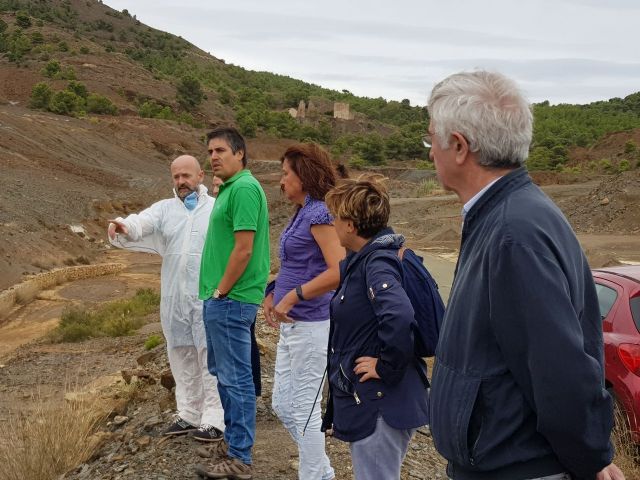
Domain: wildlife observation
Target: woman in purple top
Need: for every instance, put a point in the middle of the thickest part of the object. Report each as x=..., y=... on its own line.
x=298, y=303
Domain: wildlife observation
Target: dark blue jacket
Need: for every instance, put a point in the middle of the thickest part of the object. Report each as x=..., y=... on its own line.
x=518, y=387
x=373, y=319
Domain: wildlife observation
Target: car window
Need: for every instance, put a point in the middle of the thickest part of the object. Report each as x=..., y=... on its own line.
x=606, y=298
x=634, y=303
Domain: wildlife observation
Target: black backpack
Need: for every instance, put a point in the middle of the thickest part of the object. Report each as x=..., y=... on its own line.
x=426, y=301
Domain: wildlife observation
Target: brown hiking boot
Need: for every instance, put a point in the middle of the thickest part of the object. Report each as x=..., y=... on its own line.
x=230, y=468
x=217, y=450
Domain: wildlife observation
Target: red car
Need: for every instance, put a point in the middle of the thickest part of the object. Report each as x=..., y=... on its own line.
x=619, y=297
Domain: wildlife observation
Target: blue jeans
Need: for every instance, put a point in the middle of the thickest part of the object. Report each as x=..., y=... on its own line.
x=228, y=326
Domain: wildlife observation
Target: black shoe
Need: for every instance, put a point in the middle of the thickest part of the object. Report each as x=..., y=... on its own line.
x=179, y=427
x=208, y=433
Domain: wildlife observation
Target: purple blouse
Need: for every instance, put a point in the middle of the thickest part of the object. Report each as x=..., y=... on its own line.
x=301, y=260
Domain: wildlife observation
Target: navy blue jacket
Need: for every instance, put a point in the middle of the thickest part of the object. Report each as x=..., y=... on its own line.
x=518, y=387
x=373, y=319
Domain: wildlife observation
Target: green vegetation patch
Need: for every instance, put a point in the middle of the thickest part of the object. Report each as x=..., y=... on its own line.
x=113, y=319
x=152, y=342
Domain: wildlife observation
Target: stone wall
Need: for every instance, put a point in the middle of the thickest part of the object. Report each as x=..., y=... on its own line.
x=341, y=111
x=26, y=291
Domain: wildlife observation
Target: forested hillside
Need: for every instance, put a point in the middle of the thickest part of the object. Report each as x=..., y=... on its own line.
x=49, y=49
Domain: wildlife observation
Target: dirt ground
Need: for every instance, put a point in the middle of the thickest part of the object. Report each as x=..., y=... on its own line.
x=33, y=370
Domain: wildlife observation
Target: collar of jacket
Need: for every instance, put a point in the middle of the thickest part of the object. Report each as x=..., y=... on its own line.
x=384, y=239
x=507, y=184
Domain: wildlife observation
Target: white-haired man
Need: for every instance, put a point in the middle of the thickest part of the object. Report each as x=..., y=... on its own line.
x=518, y=387
x=175, y=228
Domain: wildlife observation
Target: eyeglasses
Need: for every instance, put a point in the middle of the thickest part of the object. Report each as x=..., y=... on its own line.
x=427, y=140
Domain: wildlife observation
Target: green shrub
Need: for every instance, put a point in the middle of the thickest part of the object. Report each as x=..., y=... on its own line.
x=51, y=69
x=78, y=88
x=100, y=104
x=23, y=20
x=40, y=96
x=630, y=147
x=17, y=46
x=84, y=50
x=606, y=165
x=189, y=93
x=63, y=47
x=624, y=165
x=152, y=342
x=65, y=102
x=3, y=25
x=425, y=165
x=117, y=318
x=37, y=38
x=357, y=162
x=149, y=109
x=68, y=73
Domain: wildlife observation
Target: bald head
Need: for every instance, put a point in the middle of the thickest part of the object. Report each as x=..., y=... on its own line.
x=186, y=161
x=187, y=175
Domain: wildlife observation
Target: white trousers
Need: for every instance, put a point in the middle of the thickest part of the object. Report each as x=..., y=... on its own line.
x=197, y=398
x=300, y=363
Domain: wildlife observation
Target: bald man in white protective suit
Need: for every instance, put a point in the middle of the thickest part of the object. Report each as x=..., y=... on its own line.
x=175, y=228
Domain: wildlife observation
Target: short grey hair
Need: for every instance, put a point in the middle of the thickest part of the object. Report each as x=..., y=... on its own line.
x=489, y=110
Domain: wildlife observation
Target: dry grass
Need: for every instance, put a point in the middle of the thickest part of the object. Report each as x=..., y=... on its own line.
x=627, y=452
x=26, y=293
x=427, y=187
x=48, y=440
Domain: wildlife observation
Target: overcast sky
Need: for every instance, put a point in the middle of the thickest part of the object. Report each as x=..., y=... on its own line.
x=564, y=51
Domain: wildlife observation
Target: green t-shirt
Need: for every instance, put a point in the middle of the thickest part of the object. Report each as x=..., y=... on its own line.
x=241, y=205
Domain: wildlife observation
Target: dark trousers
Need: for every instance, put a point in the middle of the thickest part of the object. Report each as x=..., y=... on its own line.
x=255, y=361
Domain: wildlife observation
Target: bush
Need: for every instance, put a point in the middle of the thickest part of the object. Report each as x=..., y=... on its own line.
x=65, y=102
x=18, y=45
x=23, y=20
x=630, y=147
x=84, y=50
x=606, y=165
x=63, y=47
x=51, y=69
x=37, y=38
x=68, y=73
x=40, y=96
x=624, y=165
x=117, y=318
x=152, y=342
x=425, y=165
x=78, y=88
x=3, y=25
x=100, y=104
x=357, y=162
x=189, y=93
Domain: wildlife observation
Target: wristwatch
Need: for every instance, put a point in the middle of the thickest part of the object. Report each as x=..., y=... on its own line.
x=218, y=294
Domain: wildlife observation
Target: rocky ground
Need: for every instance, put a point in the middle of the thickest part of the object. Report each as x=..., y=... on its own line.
x=130, y=441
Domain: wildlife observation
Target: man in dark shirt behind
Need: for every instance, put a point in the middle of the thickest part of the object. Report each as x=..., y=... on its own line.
x=518, y=387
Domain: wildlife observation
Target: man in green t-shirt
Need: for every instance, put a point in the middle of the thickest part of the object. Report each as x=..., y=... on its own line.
x=233, y=275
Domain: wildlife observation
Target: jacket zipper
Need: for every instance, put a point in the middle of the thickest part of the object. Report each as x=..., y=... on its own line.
x=355, y=394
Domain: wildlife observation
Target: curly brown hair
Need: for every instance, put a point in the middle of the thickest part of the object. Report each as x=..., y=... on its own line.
x=364, y=201
x=312, y=164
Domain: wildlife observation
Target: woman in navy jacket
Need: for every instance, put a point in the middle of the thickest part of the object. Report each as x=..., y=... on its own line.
x=377, y=395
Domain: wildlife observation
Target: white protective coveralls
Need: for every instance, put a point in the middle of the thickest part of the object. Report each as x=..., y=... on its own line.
x=169, y=229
